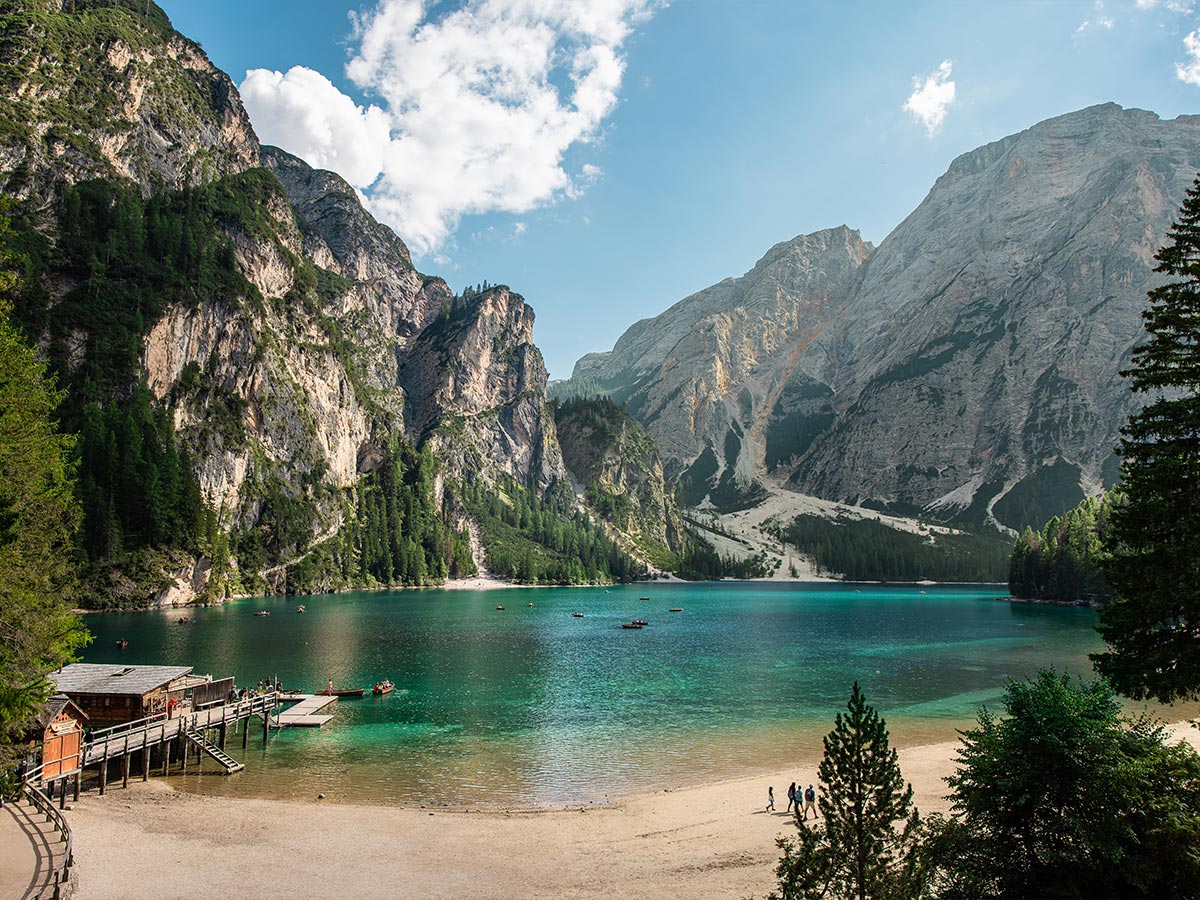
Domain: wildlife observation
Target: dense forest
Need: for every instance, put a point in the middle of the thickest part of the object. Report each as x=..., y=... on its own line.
x=544, y=541
x=1063, y=561
x=868, y=550
x=393, y=535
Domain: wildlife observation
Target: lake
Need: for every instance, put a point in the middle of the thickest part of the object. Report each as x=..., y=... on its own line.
x=531, y=706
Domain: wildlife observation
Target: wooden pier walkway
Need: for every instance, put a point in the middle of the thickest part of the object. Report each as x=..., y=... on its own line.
x=304, y=713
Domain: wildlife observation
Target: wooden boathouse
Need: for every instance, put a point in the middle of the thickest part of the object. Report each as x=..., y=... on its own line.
x=115, y=694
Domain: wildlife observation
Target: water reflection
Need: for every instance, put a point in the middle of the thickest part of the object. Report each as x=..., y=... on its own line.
x=532, y=705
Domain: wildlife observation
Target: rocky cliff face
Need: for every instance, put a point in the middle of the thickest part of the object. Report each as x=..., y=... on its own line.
x=618, y=467
x=476, y=389
x=966, y=368
x=705, y=376
x=91, y=91
x=319, y=345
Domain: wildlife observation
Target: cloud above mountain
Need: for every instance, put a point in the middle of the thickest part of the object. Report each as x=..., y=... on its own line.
x=932, y=97
x=473, y=110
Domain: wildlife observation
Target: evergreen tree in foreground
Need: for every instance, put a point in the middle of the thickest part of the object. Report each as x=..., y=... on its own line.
x=1065, y=798
x=855, y=851
x=38, y=518
x=1152, y=626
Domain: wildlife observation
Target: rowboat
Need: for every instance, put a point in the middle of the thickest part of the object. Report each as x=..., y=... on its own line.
x=641, y=622
x=500, y=608
x=631, y=625
x=577, y=615
x=300, y=608
x=263, y=612
x=675, y=609
x=341, y=692
x=384, y=687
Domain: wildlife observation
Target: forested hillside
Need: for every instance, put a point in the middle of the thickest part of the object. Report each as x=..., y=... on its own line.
x=1063, y=561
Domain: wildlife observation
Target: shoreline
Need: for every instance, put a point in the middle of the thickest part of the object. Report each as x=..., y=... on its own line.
x=488, y=583
x=710, y=840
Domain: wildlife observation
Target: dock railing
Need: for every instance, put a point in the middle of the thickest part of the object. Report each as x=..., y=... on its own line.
x=59, y=873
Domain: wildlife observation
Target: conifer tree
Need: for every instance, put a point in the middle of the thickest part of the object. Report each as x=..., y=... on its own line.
x=38, y=519
x=856, y=851
x=1152, y=626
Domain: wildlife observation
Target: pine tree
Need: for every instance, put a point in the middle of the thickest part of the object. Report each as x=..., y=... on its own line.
x=1152, y=626
x=856, y=851
x=38, y=520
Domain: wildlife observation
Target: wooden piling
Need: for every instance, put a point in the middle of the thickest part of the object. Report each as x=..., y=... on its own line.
x=221, y=735
x=145, y=755
x=103, y=771
x=78, y=779
x=125, y=769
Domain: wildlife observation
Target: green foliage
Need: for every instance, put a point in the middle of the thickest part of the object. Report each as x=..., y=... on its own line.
x=136, y=487
x=132, y=258
x=395, y=535
x=855, y=850
x=534, y=540
x=698, y=561
x=1065, y=798
x=38, y=519
x=1152, y=626
x=1064, y=561
x=867, y=550
x=59, y=53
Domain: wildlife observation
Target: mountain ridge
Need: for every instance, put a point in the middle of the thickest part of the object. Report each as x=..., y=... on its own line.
x=973, y=359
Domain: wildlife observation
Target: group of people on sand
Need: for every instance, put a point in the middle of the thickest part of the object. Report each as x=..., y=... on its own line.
x=795, y=796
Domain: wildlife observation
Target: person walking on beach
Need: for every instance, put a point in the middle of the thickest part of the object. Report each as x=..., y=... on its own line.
x=810, y=802
x=771, y=798
x=792, y=797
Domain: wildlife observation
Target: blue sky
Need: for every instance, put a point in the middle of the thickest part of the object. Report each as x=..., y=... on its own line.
x=606, y=158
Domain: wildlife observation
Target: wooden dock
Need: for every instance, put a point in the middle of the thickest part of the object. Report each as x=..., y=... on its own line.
x=306, y=712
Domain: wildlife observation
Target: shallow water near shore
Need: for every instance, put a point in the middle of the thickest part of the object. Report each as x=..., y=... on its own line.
x=531, y=706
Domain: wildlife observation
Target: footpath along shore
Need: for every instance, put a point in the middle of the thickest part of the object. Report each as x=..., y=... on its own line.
x=713, y=840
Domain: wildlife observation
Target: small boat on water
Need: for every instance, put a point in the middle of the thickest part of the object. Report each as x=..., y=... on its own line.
x=501, y=608
x=122, y=643
x=384, y=687
x=532, y=604
x=263, y=612
x=643, y=598
x=577, y=615
x=300, y=608
x=341, y=692
x=183, y=620
x=633, y=625
x=675, y=609
x=641, y=622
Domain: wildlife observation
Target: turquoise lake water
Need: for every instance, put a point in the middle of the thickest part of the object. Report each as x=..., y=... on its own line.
x=531, y=706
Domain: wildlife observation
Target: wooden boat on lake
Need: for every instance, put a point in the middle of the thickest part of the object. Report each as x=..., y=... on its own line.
x=675, y=609
x=300, y=608
x=501, y=608
x=341, y=692
x=384, y=687
x=577, y=615
x=263, y=612
x=643, y=598
x=631, y=625
x=641, y=622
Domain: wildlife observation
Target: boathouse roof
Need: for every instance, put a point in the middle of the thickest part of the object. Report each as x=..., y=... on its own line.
x=105, y=678
x=54, y=706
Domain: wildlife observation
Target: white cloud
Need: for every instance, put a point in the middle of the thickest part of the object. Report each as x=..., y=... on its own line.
x=302, y=112
x=1189, y=71
x=481, y=104
x=1099, y=22
x=1181, y=7
x=931, y=97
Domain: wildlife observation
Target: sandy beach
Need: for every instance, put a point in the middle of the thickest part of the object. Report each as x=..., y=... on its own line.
x=714, y=840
